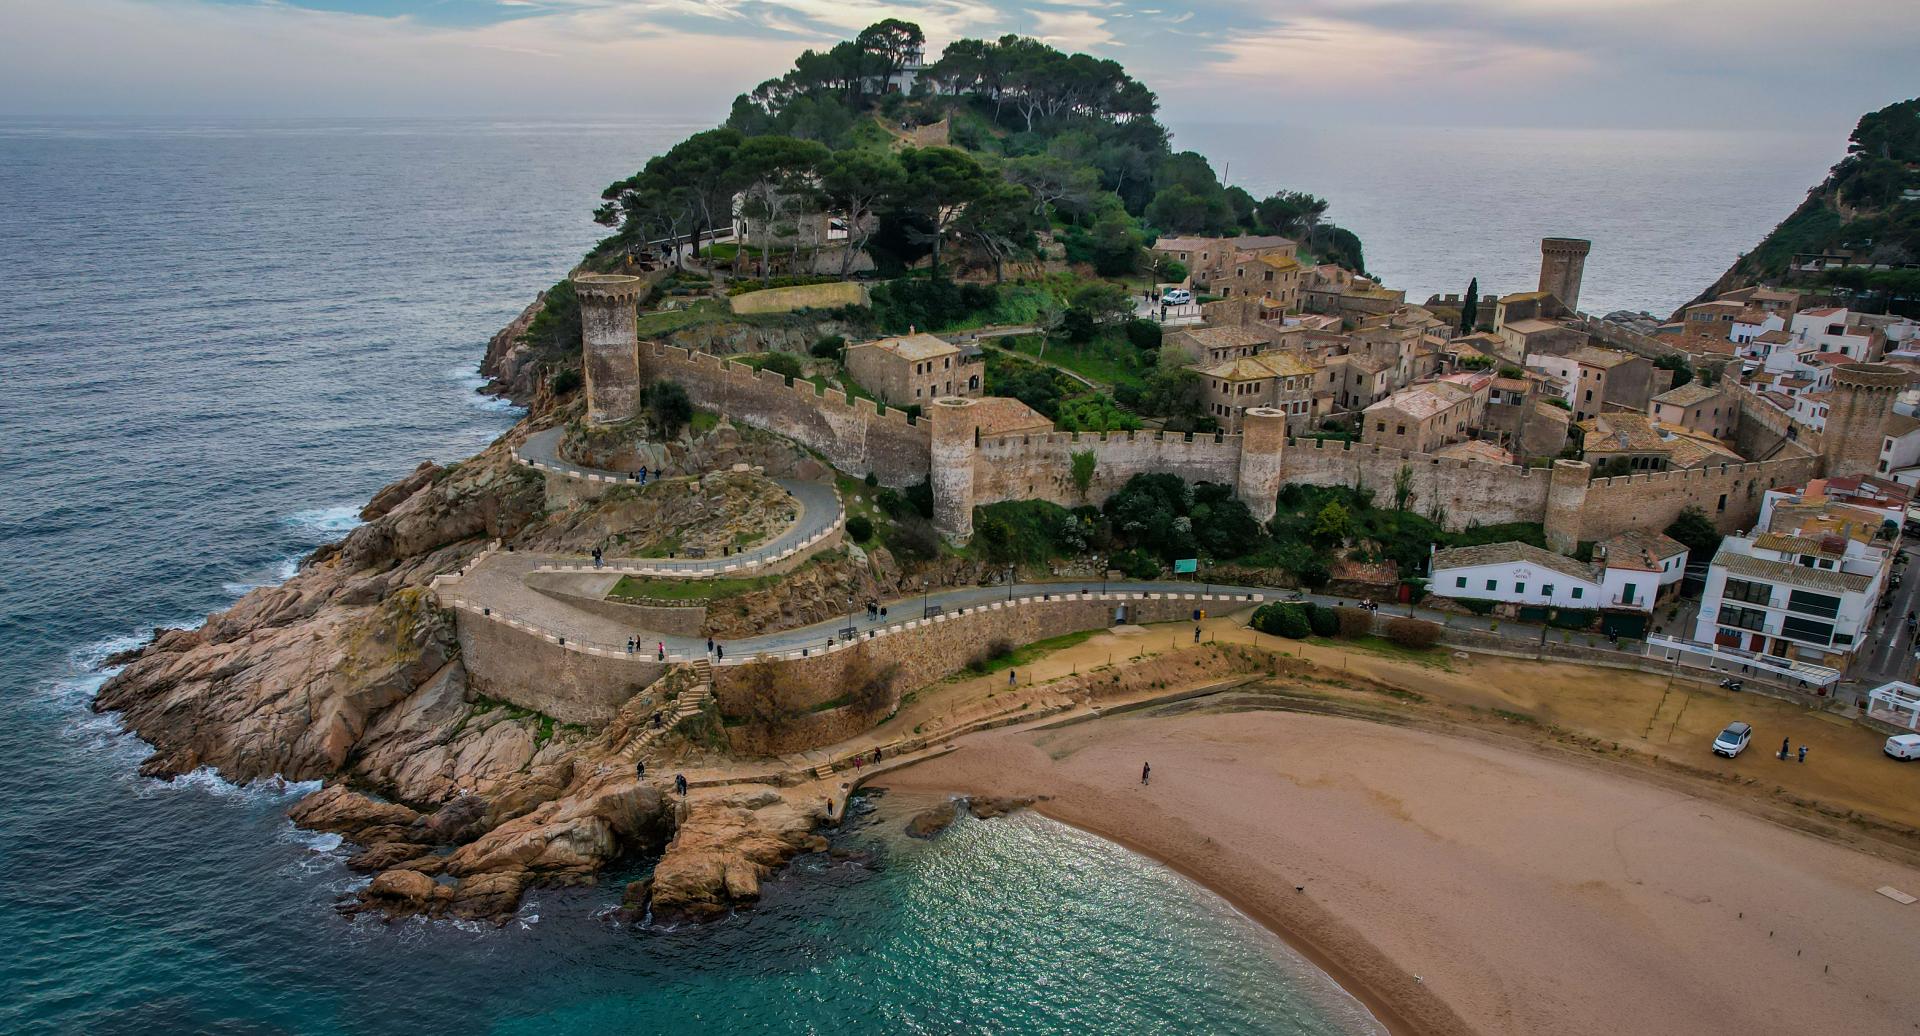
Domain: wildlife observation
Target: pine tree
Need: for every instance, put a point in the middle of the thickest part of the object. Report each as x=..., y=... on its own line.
x=1470, y=307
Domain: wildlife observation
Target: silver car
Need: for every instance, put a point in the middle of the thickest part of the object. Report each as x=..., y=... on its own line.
x=1733, y=740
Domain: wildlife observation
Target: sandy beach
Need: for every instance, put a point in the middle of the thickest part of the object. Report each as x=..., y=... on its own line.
x=1459, y=884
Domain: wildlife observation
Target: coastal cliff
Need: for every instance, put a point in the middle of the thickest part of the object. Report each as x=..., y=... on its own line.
x=1863, y=211
x=349, y=674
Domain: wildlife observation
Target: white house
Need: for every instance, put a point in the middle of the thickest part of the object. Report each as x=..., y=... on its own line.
x=1528, y=576
x=1832, y=330
x=1750, y=324
x=1633, y=552
x=1804, y=587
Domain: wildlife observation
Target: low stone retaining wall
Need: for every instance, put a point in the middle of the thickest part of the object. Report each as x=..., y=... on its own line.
x=516, y=663
x=688, y=620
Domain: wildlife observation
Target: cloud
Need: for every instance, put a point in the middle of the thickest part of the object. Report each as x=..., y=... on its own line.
x=1072, y=30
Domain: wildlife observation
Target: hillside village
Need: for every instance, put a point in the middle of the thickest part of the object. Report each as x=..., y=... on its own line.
x=914, y=372
x=1174, y=323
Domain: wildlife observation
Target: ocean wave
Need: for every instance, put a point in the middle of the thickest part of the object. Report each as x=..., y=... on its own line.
x=206, y=781
x=284, y=570
x=471, y=379
x=326, y=521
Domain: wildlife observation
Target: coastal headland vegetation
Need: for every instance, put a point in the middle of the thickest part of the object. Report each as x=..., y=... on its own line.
x=1004, y=185
x=1857, y=234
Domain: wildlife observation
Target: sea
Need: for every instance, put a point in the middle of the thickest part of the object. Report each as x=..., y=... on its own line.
x=220, y=337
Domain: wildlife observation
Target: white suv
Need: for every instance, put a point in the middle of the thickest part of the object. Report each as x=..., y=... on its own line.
x=1733, y=740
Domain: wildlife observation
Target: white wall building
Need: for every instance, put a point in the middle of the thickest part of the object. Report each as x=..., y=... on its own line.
x=1525, y=575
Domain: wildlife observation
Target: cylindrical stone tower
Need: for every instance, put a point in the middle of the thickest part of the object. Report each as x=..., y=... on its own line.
x=610, y=344
x=1863, y=395
x=1566, y=504
x=1263, y=453
x=1562, y=261
x=954, y=446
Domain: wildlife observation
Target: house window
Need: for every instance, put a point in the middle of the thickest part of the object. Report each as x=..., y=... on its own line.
x=1400, y=429
x=1626, y=594
x=1807, y=629
x=1493, y=584
x=1578, y=592
x=1743, y=618
x=1813, y=604
x=1546, y=590
x=1460, y=581
x=1519, y=587
x=1749, y=592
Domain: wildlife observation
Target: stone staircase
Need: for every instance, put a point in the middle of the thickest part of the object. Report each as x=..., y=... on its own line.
x=682, y=708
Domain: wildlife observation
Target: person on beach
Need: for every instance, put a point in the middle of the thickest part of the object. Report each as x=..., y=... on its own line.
x=1146, y=771
x=1196, y=634
x=1785, y=744
x=1803, y=753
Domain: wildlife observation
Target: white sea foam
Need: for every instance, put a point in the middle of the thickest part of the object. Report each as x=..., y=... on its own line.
x=471, y=380
x=326, y=521
x=261, y=789
x=286, y=568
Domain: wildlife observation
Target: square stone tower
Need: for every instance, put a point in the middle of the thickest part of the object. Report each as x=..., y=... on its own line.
x=1562, y=261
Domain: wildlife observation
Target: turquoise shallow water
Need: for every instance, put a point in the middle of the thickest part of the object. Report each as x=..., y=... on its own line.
x=219, y=340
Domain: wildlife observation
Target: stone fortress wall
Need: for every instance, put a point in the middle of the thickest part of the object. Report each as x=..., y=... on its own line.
x=969, y=465
x=855, y=436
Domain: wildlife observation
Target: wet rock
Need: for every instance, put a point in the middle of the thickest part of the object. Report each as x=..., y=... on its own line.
x=724, y=849
x=398, y=893
x=387, y=855
x=930, y=822
x=1000, y=806
x=352, y=815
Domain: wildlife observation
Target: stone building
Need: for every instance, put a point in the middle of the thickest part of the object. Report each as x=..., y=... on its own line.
x=1273, y=278
x=1697, y=407
x=1275, y=380
x=915, y=369
x=1621, y=443
x=1596, y=377
x=1424, y=417
x=1862, y=402
x=1210, y=345
x=1563, y=260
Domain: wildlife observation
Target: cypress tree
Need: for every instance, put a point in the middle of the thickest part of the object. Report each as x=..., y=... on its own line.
x=1470, y=307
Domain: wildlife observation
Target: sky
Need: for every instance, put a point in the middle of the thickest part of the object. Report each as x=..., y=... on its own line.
x=1730, y=64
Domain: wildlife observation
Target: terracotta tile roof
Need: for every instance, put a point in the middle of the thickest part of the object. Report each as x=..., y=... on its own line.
x=1184, y=244
x=1687, y=395
x=1774, y=337
x=1593, y=356
x=920, y=346
x=1225, y=337
x=1256, y=242
x=1475, y=449
x=1509, y=553
x=1423, y=401
x=1259, y=368
x=1640, y=550
x=1748, y=567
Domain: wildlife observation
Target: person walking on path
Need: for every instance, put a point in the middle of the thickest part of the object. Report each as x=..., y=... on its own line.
x=1803, y=753
x=1146, y=772
x=719, y=652
x=1196, y=634
x=660, y=650
x=680, y=784
x=709, y=645
x=596, y=557
x=1785, y=744
x=629, y=645
x=1010, y=676
x=640, y=769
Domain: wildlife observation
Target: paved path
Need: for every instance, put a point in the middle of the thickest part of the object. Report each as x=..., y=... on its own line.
x=818, y=512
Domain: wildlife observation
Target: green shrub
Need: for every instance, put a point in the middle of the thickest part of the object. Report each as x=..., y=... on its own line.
x=1354, y=622
x=1324, y=622
x=829, y=347
x=564, y=381
x=1173, y=271
x=1476, y=605
x=871, y=480
x=1413, y=633
x=1284, y=620
x=860, y=527
x=785, y=364
x=1137, y=564
x=1143, y=334
x=1572, y=618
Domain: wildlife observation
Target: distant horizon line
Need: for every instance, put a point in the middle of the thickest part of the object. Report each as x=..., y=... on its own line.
x=578, y=118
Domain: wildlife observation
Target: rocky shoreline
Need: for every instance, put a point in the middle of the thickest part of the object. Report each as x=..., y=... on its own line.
x=348, y=673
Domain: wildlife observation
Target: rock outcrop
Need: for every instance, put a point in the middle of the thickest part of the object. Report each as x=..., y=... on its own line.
x=725, y=847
